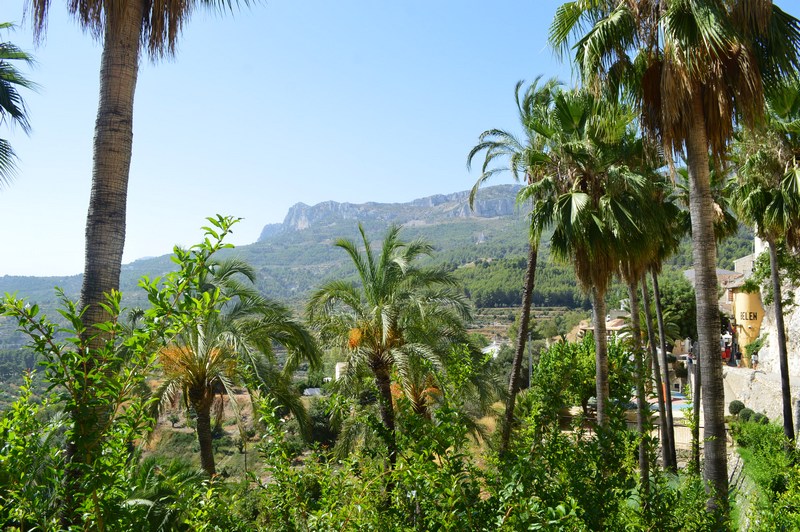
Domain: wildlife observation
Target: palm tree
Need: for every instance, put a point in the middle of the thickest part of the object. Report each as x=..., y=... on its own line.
x=124, y=27
x=725, y=224
x=693, y=68
x=631, y=270
x=465, y=382
x=523, y=161
x=231, y=346
x=12, y=106
x=399, y=315
x=633, y=267
x=634, y=262
x=768, y=198
x=674, y=224
x=588, y=199
x=664, y=405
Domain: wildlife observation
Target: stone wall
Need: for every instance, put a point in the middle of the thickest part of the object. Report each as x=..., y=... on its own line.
x=758, y=390
x=768, y=357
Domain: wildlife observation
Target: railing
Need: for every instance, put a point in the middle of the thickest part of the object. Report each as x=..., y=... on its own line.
x=683, y=435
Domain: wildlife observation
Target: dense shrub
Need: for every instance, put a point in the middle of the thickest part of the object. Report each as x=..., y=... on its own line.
x=763, y=448
x=745, y=414
x=758, y=417
x=551, y=479
x=781, y=511
x=735, y=407
x=771, y=463
x=321, y=431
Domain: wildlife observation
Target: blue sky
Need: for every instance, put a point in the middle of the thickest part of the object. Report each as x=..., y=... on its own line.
x=288, y=101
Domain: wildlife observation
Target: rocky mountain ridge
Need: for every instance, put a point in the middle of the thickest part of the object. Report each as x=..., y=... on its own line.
x=491, y=202
x=293, y=257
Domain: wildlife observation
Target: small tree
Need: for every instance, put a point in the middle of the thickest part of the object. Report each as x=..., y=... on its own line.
x=400, y=318
x=735, y=407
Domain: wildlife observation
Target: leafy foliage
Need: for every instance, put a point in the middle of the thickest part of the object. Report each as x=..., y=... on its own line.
x=789, y=272
x=763, y=448
x=99, y=388
x=735, y=407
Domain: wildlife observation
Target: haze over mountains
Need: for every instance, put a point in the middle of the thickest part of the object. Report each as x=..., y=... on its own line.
x=485, y=247
x=295, y=256
x=292, y=258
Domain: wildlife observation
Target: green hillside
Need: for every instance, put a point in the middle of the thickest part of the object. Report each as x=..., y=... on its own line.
x=486, y=248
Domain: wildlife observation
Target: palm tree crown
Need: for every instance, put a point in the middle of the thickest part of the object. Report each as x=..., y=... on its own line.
x=768, y=197
x=590, y=196
x=233, y=345
x=399, y=315
x=693, y=68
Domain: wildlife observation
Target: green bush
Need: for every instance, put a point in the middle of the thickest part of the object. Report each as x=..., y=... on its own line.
x=735, y=407
x=745, y=414
x=758, y=417
x=321, y=430
x=762, y=446
x=781, y=512
x=98, y=379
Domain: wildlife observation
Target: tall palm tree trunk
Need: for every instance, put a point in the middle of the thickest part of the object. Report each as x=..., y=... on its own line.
x=788, y=426
x=522, y=335
x=105, y=223
x=383, y=382
x=113, y=141
x=601, y=355
x=204, y=438
x=666, y=434
x=641, y=400
x=704, y=250
x=664, y=363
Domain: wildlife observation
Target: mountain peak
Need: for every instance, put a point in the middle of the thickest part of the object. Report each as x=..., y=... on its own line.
x=491, y=202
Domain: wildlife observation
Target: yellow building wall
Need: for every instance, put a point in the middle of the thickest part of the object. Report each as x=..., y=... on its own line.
x=748, y=312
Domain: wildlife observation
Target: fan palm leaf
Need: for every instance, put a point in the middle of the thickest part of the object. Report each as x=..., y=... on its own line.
x=12, y=106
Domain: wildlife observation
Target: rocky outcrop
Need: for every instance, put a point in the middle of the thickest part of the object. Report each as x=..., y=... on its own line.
x=492, y=202
x=270, y=230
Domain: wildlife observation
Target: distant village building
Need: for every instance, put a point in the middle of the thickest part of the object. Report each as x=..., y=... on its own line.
x=615, y=323
x=724, y=278
x=745, y=309
x=492, y=349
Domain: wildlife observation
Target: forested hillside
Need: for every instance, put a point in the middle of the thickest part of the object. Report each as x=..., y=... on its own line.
x=487, y=248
